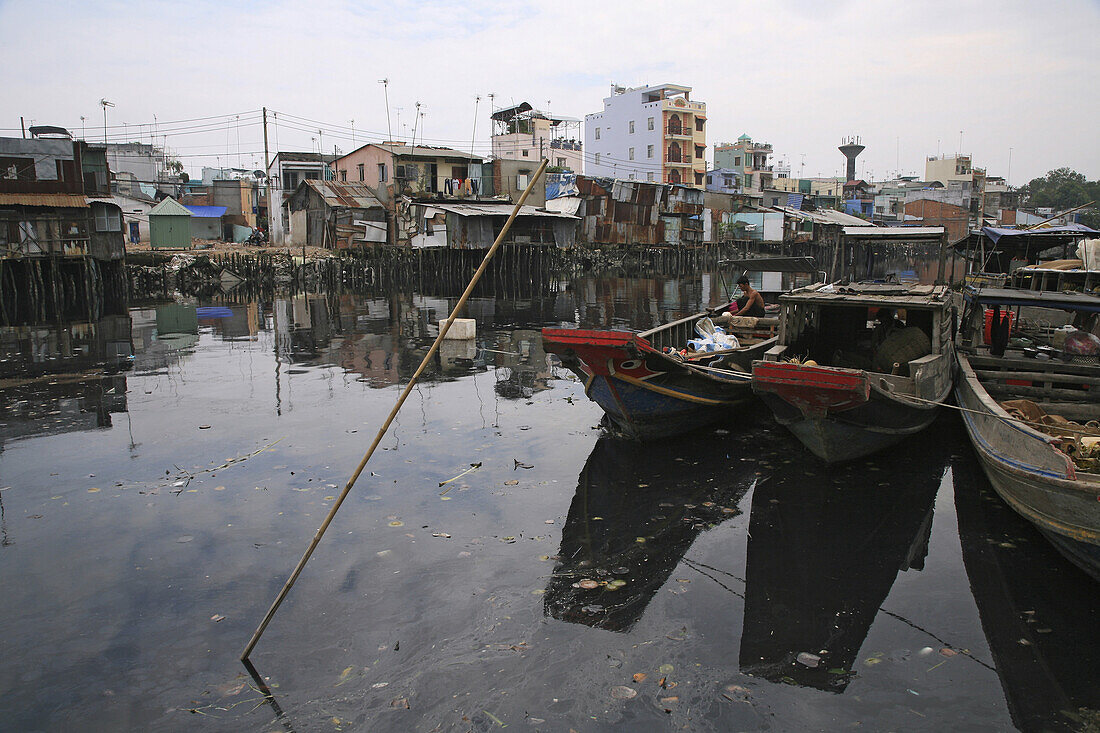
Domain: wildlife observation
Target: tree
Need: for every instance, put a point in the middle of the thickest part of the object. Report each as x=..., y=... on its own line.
x=1061, y=189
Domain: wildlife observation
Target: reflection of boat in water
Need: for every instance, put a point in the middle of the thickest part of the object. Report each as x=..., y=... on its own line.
x=1038, y=616
x=823, y=554
x=637, y=510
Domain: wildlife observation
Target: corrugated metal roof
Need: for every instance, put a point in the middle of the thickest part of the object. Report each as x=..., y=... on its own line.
x=351, y=195
x=206, y=212
x=52, y=200
x=894, y=232
x=427, y=152
x=499, y=210
x=825, y=216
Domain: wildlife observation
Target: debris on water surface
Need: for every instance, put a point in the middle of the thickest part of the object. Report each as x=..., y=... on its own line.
x=808, y=660
x=397, y=523
x=185, y=538
x=948, y=652
x=400, y=702
x=204, y=427
x=93, y=490
x=520, y=464
x=217, y=617
x=622, y=692
x=444, y=535
x=588, y=584
x=925, y=651
x=511, y=482
x=640, y=676
x=473, y=467
x=665, y=669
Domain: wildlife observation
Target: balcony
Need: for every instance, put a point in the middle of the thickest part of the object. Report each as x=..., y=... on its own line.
x=686, y=131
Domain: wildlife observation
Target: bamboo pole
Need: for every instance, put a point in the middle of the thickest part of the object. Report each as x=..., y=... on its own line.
x=393, y=413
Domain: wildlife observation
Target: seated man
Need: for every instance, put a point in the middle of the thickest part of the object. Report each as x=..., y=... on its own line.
x=750, y=304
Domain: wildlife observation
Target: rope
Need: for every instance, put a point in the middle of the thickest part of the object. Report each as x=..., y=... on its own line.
x=1037, y=425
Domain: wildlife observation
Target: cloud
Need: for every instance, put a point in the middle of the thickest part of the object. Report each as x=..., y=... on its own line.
x=907, y=77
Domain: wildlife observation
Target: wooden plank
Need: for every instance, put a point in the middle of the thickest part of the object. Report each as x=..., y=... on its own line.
x=984, y=374
x=1033, y=365
x=1090, y=395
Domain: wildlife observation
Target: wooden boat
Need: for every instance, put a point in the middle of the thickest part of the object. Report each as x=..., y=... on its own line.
x=649, y=394
x=846, y=386
x=1028, y=457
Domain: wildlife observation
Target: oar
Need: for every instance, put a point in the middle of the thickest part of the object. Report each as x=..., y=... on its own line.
x=393, y=413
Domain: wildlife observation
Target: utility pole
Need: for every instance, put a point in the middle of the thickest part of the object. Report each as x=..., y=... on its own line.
x=267, y=173
x=23, y=126
x=473, y=135
x=386, y=90
x=416, y=121
x=105, y=104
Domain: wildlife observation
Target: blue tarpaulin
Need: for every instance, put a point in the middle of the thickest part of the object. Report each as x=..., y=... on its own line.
x=206, y=212
x=560, y=184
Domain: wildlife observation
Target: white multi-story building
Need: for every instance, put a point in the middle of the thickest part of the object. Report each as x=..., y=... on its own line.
x=525, y=133
x=648, y=134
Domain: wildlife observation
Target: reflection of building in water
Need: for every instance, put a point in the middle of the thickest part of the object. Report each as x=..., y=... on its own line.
x=63, y=378
x=49, y=349
x=521, y=363
x=1039, y=613
x=232, y=322
x=628, y=491
x=822, y=556
x=162, y=336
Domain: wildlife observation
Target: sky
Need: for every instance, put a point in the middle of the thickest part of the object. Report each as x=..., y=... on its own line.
x=1014, y=83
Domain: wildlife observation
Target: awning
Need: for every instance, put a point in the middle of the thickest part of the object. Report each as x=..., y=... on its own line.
x=49, y=200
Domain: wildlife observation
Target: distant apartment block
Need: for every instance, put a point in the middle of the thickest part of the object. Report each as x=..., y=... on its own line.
x=654, y=133
x=748, y=160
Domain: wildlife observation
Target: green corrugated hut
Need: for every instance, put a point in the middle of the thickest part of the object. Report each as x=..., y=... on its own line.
x=169, y=225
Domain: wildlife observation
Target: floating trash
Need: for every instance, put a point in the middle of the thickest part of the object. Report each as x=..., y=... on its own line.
x=587, y=584
x=622, y=692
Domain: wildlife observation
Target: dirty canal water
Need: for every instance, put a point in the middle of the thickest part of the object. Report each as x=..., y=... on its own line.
x=565, y=580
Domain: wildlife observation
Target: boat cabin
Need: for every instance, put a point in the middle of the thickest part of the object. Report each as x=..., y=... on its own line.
x=1035, y=346
x=886, y=328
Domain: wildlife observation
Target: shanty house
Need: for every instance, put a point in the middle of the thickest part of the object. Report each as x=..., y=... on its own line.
x=206, y=221
x=639, y=212
x=336, y=215
x=476, y=225
x=169, y=225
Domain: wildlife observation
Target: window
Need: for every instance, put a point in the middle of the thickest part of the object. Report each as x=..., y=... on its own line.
x=700, y=151
x=343, y=176
x=699, y=124
x=630, y=152
x=560, y=162
x=737, y=161
x=290, y=180
x=631, y=176
x=631, y=127
x=522, y=180
x=525, y=153
x=597, y=133
x=698, y=178
x=106, y=220
x=649, y=176
x=649, y=124
x=649, y=151
x=597, y=158
x=381, y=172
x=362, y=172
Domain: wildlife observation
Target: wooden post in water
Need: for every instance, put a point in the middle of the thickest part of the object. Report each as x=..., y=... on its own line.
x=393, y=413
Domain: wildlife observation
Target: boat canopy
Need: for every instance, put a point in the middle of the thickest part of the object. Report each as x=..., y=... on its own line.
x=1040, y=298
x=774, y=264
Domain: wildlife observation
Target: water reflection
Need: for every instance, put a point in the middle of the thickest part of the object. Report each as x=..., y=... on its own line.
x=637, y=511
x=1039, y=613
x=825, y=547
x=61, y=378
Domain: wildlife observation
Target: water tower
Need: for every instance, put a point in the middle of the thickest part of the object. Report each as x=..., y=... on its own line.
x=851, y=149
